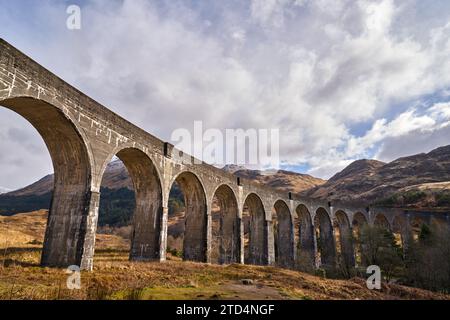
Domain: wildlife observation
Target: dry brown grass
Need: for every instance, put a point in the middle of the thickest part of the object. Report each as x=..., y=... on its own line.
x=115, y=277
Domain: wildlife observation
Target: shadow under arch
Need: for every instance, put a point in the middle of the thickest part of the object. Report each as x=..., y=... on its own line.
x=284, y=235
x=195, y=240
x=148, y=210
x=304, y=230
x=381, y=221
x=358, y=223
x=401, y=230
x=344, y=240
x=255, y=231
x=416, y=224
x=225, y=227
x=325, y=242
x=72, y=219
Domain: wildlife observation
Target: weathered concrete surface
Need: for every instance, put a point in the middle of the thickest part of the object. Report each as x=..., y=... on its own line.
x=82, y=137
x=229, y=226
x=257, y=231
x=284, y=235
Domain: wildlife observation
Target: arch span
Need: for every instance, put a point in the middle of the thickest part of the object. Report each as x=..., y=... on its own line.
x=358, y=222
x=284, y=235
x=382, y=221
x=345, y=240
x=256, y=251
x=305, y=251
x=401, y=230
x=72, y=220
x=146, y=220
x=226, y=227
x=325, y=241
x=416, y=223
x=195, y=242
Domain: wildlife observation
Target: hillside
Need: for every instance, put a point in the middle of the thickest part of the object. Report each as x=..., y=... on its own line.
x=4, y=190
x=374, y=181
x=279, y=179
x=116, y=177
x=117, y=196
x=397, y=183
x=115, y=277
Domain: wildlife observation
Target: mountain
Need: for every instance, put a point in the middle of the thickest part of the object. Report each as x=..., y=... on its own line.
x=232, y=168
x=388, y=183
x=279, y=179
x=117, y=196
x=420, y=180
x=4, y=190
x=116, y=177
x=38, y=188
x=116, y=205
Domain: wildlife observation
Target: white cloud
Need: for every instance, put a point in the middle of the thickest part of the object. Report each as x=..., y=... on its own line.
x=314, y=69
x=408, y=133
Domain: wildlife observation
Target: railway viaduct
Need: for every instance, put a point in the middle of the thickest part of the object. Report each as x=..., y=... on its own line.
x=83, y=136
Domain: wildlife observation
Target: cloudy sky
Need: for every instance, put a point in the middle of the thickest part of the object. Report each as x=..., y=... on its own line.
x=341, y=79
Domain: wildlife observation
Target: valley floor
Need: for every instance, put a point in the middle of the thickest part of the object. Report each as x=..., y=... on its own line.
x=115, y=277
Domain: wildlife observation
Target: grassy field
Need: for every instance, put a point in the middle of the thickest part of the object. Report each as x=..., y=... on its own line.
x=115, y=277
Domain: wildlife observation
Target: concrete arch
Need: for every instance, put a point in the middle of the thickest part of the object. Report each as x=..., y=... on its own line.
x=401, y=230
x=195, y=243
x=255, y=226
x=73, y=204
x=129, y=146
x=358, y=222
x=325, y=241
x=359, y=219
x=147, y=216
x=381, y=220
x=187, y=171
x=345, y=240
x=226, y=237
x=415, y=225
x=283, y=235
x=87, y=132
x=304, y=230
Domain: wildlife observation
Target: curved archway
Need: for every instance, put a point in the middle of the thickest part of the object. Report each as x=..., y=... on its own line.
x=382, y=221
x=305, y=252
x=195, y=217
x=225, y=227
x=147, y=212
x=359, y=221
x=400, y=230
x=416, y=225
x=255, y=233
x=326, y=254
x=344, y=241
x=284, y=235
x=70, y=233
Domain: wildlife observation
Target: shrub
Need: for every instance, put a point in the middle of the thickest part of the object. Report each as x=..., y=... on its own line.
x=412, y=197
x=428, y=259
x=378, y=247
x=443, y=199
